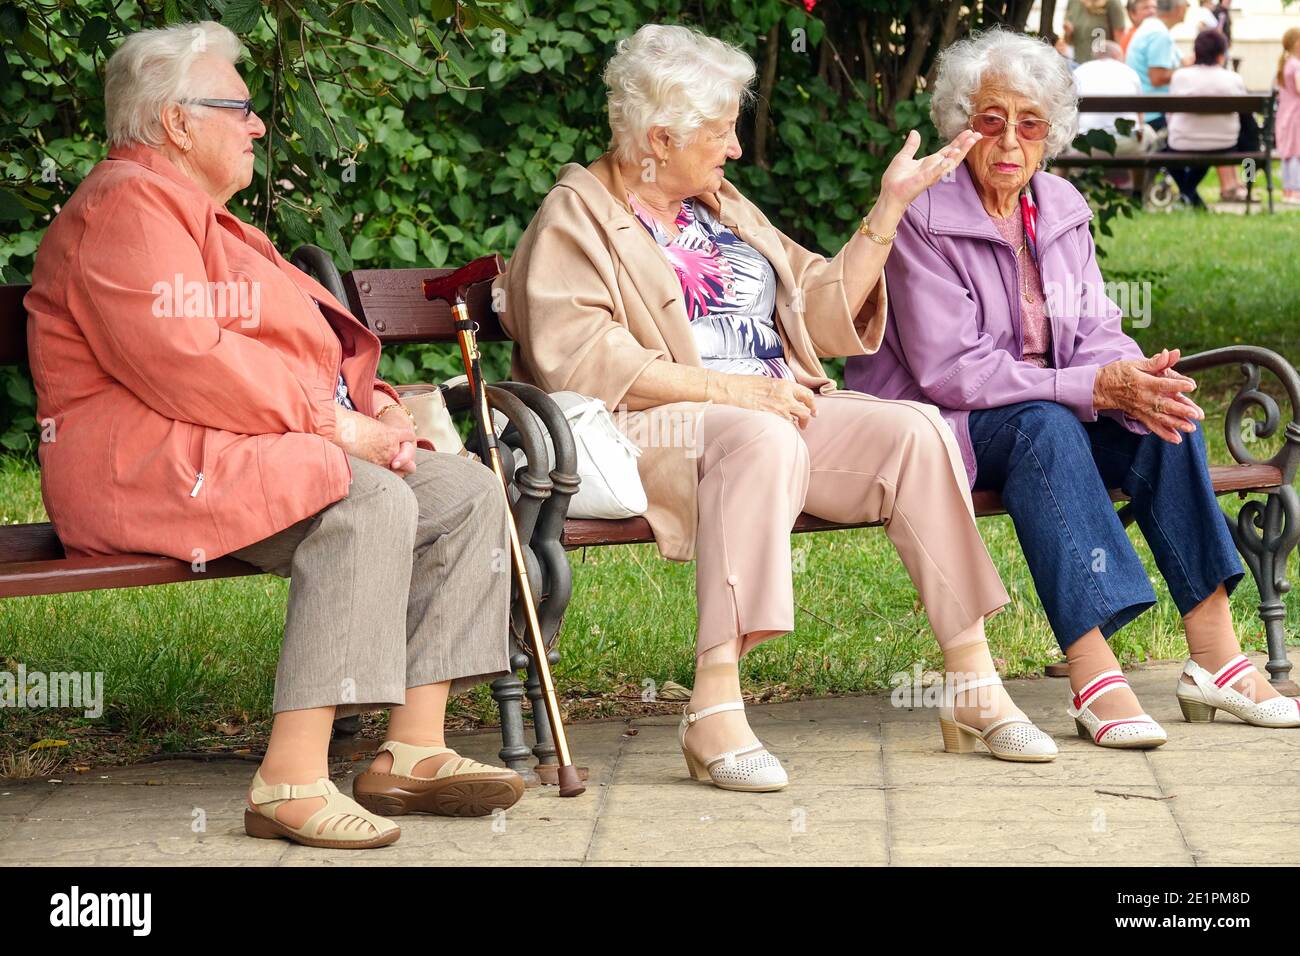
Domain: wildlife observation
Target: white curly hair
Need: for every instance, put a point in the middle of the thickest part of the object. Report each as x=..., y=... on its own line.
x=674, y=77
x=1023, y=65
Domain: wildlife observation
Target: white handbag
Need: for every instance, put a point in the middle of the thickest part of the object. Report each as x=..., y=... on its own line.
x=610, y=486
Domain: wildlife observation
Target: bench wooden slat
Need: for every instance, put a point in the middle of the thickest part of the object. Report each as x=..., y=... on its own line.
x=65, y=575
x=1156, y=160
x=593, y=532
x=1166, y=103
x=392, y=304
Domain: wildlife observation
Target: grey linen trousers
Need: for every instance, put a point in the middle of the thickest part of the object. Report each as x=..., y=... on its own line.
x=404, y=582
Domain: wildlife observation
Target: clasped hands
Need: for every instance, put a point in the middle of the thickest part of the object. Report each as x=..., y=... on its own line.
x=1150, y=391
x=388, y=441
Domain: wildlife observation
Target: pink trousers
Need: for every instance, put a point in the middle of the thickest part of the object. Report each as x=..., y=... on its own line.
x=859, y=459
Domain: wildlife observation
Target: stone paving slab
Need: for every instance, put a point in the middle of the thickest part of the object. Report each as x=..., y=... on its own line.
x=870, y=785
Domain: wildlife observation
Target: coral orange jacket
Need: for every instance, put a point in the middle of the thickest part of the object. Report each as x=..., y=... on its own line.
x=185, y=378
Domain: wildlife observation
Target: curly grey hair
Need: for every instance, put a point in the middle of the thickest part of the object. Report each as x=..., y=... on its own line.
x=675, y=77
x=1022, y=64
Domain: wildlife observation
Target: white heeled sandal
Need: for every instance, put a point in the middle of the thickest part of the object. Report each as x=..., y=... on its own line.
x=1212, y=692
x=1124, y=733
x=751, y=769
x=1010, y=738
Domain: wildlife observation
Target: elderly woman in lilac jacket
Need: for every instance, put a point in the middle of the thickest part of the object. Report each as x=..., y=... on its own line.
x=999, y=318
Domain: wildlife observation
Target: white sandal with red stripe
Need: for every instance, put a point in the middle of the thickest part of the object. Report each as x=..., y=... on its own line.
x=1213, y=692
x=1126, y=733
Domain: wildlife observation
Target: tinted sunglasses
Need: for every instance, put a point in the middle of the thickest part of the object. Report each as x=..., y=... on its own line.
x=990, y=125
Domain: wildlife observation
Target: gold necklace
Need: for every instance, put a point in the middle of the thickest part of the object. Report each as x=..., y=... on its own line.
x=1025, y=292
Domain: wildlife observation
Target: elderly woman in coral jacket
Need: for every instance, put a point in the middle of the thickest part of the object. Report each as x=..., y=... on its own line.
x=211, y=399
x=1002, y=322
x=649, y=281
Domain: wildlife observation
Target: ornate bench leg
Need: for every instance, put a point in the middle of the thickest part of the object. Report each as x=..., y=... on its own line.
x=508, y=692
x=1266, y=533
x=544, y=750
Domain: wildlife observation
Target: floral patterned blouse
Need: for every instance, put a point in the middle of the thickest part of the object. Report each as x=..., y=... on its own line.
x=729, y=289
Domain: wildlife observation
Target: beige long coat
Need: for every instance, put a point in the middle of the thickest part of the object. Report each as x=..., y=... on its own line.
x=591, y=300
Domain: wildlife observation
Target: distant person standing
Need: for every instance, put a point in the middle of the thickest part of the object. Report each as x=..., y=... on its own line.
x=1223, y=18
x=1210, y=132
x=1205, y=18
x=1287, y=124
x=1152, y=52
x=1138, y=10
x=1089, y=24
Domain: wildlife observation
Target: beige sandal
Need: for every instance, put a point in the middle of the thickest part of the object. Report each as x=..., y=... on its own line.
x=460, y=788
x=339, y=825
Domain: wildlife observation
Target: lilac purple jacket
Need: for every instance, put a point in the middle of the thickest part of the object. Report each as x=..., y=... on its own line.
x=954, y=335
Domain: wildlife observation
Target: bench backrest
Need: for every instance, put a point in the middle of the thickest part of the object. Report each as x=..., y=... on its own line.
x=389, y=301
x=392, y=304
x=1164, y=103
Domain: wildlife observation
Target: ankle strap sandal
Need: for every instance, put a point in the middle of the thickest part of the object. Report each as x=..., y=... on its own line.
x=460, y=787
x=1008, y=738
x=342, y=824
x=1210, y=692
x=750, y=768
x=1124, y=733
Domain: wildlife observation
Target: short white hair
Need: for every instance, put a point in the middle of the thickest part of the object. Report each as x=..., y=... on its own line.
x=673, y=77
x=150, y=70
x=1021, y=64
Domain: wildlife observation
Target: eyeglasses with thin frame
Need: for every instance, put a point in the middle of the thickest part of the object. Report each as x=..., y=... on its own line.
x=245, y=105
x=992, y=125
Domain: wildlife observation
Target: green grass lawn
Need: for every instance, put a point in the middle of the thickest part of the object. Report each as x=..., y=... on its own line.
x=192, y=666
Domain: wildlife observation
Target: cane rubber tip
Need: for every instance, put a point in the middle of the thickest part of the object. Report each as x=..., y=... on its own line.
x=571, y=784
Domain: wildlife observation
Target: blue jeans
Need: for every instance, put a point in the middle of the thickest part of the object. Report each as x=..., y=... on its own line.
x=1054, y=471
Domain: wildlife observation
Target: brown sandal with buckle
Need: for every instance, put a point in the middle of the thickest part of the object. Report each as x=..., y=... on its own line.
x=459, y=788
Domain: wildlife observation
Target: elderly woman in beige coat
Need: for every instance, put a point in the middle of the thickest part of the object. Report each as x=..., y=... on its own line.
x=648, y=281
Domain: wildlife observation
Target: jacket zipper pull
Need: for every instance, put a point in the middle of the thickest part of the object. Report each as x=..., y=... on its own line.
x=197, y=485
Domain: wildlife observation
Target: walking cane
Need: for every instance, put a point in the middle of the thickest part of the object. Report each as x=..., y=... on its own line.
x=451, y=289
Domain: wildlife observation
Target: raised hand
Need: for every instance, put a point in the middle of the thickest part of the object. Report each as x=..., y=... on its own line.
x=907, y=177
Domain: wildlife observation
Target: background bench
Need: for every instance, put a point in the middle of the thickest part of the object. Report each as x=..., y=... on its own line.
x=1261, y=104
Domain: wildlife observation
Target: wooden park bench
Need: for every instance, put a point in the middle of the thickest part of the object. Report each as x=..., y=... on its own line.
x=1262, y=104
x=391, y=303
x=1266, y=531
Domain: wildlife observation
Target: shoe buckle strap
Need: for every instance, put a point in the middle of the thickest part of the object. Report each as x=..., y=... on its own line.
x=728, y=757
x=693, y=716
x=271, y=793
x=1103, y=683
x=406, y=756
x=1000, y=723
x=1231, y=671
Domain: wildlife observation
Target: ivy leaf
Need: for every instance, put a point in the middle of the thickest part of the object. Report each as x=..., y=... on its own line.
x=403, y=247
x=242, y=15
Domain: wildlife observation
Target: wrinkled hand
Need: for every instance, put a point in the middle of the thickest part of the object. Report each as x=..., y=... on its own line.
x=389, y=443
x=789, y=400
x=907, y=177
x=404, y=462
x=1150, y=391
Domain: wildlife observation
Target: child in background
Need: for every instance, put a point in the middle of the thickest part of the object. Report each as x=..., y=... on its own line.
x=1288, y=115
